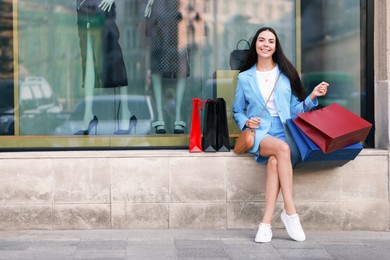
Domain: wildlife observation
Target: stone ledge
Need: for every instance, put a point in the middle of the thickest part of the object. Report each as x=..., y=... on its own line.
x=144, y=153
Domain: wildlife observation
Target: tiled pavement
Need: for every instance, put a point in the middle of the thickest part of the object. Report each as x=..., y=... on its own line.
x=190, y=244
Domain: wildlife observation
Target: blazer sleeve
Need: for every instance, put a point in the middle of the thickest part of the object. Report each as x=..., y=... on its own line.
x=298, y=106
x=240, y=104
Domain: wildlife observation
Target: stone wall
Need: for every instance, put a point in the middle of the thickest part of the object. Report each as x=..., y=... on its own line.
x=176, y=189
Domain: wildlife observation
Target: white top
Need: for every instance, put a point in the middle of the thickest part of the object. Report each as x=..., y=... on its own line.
x=266, y=81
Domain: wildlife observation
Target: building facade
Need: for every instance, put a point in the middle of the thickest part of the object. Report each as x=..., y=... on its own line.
x=143, y=178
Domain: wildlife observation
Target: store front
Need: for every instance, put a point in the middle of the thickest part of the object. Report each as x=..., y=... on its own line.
x=136, y=91
x=73, y=80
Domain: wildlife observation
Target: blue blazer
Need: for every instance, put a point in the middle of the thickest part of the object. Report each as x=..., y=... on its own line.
x=249, y=102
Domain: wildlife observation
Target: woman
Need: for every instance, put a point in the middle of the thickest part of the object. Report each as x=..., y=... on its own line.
x=255, y=86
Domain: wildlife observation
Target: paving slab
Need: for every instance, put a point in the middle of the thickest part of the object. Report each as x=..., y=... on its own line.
x=190, y=244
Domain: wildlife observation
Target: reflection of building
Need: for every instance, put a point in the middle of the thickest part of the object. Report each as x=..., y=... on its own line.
x=6, y=42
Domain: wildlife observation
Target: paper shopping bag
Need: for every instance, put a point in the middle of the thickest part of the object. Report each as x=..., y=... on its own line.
x=333, y=127
x=223, y=144
x=209, y=138
x=310, y=152
x=195, y=131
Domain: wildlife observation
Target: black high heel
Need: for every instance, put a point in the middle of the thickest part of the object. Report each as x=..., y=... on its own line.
x=93, y=123
x=132, y=123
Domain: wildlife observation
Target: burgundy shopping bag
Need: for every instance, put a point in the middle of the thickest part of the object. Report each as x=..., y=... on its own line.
x=333, y=127
x=195, y=131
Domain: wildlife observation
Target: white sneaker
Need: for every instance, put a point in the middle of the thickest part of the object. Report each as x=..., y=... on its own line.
x=293, y=226
x=264, y=234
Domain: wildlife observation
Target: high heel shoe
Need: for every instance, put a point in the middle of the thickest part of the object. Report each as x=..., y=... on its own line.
x=132, y=123
x=93, y=123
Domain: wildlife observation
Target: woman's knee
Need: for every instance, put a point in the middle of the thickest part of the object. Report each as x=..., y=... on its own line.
x=272, y=162
x=284, y=148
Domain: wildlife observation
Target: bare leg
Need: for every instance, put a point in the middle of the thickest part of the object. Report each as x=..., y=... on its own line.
x=271, y=189
x=280, y=149
x=89, y=82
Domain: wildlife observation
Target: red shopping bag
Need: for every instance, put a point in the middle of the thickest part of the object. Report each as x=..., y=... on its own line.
x=196, y=131
x=333, y=127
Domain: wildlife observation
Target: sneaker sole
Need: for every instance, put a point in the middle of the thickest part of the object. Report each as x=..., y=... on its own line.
x=259, y=241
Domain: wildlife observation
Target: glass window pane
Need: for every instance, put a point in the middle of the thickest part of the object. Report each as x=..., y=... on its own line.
x=331, y=50
x=76, y=61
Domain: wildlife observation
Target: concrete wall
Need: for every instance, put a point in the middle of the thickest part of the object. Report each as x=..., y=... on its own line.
x=382, y=74
x=175, y=189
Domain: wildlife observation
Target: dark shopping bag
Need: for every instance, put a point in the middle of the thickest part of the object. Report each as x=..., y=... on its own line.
x=195, y=131
x=209, y=138
x=333, y=127
x=310, y=152
x=223, y=144
x=238, y=57
x=215, y=128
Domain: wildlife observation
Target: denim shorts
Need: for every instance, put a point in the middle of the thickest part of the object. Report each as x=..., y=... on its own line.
x=276, y=130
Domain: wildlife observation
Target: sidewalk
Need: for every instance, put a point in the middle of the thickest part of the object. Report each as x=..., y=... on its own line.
x=190, y=244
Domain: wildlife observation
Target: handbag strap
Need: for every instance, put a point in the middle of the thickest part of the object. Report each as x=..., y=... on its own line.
x=266, y=102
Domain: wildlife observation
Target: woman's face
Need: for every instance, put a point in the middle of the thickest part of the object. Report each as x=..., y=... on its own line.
x=265, y=44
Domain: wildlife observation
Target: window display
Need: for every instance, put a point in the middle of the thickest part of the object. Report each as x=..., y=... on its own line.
x=123, y=73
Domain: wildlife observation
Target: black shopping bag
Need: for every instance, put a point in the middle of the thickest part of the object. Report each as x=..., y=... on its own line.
x=223, y=144
x=209, y=138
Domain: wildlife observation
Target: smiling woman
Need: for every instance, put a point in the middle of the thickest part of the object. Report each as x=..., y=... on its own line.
x=268, y=81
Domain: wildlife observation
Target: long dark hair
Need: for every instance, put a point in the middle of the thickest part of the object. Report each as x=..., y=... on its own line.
x=279, y=58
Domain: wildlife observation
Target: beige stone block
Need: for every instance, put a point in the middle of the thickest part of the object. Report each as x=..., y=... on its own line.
x=197, y=179
x=197, y=215
x=320, y=215
x=82, y=180
x=317, y=184
x=341, y=215
x=365, y=179
x=244, y=215
x=140, y=215
x=249, y=215
x=366, y=215
x=245, y=180
x=81, y=216
x=140, y=180
x=26, y=181
x=14, y=217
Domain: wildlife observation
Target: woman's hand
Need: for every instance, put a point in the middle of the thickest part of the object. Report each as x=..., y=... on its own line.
x=320, y=90
x=253, y=122
x=105, y=5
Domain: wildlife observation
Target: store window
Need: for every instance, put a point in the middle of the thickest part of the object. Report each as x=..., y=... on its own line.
x=74, y=76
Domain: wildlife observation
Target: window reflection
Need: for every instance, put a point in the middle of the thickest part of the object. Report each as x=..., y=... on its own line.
x=331, y=50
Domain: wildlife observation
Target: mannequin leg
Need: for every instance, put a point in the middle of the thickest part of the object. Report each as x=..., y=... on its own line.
x=157, y=92
x=125, y=124
x=89, y=120
x=89, y=82
x=180, y=88
x=124, y=112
